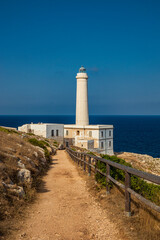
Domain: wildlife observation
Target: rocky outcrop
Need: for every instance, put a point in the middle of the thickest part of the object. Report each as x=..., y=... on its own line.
x=24, y=176
x=21, y=166
x=14, y=189
x=142, y=162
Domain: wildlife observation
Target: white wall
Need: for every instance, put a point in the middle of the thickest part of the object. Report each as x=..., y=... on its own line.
x=59, y=127
x=44, y=130
x=38, y=129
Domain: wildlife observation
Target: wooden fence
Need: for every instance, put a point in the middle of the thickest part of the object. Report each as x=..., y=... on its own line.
x=89, y=162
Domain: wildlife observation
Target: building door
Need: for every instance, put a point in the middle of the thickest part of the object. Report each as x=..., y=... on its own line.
x=67, y=144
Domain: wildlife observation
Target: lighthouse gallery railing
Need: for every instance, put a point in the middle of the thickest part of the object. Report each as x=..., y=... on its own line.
x=90, y=162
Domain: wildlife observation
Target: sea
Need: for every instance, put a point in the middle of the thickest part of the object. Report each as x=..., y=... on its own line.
x=138, y=134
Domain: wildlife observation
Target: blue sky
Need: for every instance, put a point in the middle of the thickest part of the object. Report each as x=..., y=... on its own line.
x=43, y=44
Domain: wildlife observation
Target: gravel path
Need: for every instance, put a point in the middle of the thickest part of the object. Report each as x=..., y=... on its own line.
x=65, y=210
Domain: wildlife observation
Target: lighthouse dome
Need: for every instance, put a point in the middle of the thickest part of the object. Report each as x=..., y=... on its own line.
x=82, y=69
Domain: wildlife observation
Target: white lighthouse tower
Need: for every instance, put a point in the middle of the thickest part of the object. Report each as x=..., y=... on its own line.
x=82, y=117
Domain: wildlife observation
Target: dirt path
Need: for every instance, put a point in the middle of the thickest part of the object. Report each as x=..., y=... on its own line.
x=65, y=210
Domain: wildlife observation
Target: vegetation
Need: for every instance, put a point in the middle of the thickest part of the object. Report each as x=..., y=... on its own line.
x=31, y=134
x=91, y=153
x=148, y=190
x=41, y=144
x=7, y=130
x=73, y=149
x=55, y=143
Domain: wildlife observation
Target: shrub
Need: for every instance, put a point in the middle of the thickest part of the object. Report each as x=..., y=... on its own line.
x=73, y=149
x=91, y=153
x=41, y=144
x=148, y=190
x=7, y=130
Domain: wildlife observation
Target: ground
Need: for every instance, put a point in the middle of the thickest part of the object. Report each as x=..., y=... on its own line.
x=65, y=209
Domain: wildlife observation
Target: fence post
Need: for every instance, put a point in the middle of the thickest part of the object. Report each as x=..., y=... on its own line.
x=84, y=164
x=127, y=194
x=78, y=161
x=107, y=178
x=81, y=160
x=89, y=167
x=95, y=168
x=77, y=157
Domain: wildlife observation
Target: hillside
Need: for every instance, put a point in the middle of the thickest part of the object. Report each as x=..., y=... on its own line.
x=24, y=159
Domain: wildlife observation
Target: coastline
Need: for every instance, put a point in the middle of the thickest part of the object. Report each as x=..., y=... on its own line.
x=142, y=162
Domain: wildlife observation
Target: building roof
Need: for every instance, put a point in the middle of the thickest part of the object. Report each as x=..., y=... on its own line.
x=74, y=126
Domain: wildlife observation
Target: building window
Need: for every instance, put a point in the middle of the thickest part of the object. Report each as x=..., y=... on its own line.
x=110, y=133
x=110, y=143
x=77, y=132
x=102, y=145
x=52, y=133
x=66, y=132
x=57, y=133
x=90, y=133
x=102, y=134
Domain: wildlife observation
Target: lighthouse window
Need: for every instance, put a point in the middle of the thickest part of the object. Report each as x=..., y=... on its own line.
x=57, y=133
x=110, y=143
x=52, y=133
x=90, y=133
x=109, y=133
x=66, y=132
x=101, y=133
x=102, y=145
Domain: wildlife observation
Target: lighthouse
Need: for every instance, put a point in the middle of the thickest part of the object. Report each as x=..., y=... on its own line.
x=82, y=117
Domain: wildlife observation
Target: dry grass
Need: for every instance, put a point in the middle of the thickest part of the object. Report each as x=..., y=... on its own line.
x=15, y=147
x=144, y=223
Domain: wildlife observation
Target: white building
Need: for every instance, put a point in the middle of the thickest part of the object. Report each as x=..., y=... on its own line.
x=97, y=138
x=47, y=130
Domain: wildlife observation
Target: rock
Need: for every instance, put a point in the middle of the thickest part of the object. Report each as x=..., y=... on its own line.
x=19, y=145
x=35, y=154
x=54, y=151
x=60, y=147
x=24, y=175
x=20, y=164
x=9, y=155
x=13, y=188
x=19, y=191
x=10, y=149
x=43, y=160
x=40, y=150
x=30, y=161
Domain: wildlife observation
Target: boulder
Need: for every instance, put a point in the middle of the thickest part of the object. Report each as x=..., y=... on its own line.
x=35, y=154
x=14, y=189
x=60, y=147
x=24, y=176
x=20, y=164
x=19, y=191
x=43, y=160
x=30, y=161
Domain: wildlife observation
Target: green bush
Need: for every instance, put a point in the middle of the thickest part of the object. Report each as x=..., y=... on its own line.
x=73, y=149
x=91, y=153
x=7, y=130
x=148, y=190
x=41, y=144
